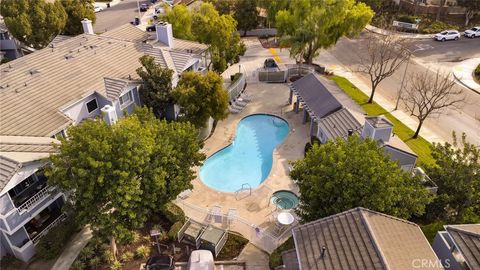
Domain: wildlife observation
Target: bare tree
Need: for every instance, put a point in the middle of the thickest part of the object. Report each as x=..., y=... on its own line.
x=382, y=57
x=428, y=95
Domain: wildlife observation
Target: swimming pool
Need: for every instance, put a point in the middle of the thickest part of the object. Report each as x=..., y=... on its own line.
x=248, y=160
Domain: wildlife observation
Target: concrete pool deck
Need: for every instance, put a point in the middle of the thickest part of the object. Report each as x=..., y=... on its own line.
x=254, y=208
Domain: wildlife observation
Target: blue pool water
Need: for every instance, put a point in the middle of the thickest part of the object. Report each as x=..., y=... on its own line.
x=249, y=158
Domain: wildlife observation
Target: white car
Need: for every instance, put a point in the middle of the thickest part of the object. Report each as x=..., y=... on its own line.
x=473, y=32
x=447, y=35
x=201, y=260
x=97, y=9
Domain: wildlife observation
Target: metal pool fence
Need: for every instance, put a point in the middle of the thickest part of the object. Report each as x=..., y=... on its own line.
x=265, y=238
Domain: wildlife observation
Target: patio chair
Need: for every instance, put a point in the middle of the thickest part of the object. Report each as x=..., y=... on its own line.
x=241, y=103
x=246, y=97
x=231, y=214
x=238, y=106
x=233, y=110
x=215, y=214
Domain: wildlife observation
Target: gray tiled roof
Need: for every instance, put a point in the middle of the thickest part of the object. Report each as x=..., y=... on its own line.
x=339, y=123
x=35, y=88
x=114, y=87
x=8, y=168
x=378, y=121
x=467, y=239
x=315, y=96
x=360, y=239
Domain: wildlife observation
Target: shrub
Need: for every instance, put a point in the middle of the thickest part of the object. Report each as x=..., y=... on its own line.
x=52, y=244
x=10, y=263
x=108, y=256
x=275, y=258
x=429, y=26
x=307, y=148
x=477, y=71
x=407, y=19
x=126, y=257
x=116, y=265
x=172, y=233
x=232, y=248
x=95, y=262
x=173, y=213
x=77, y=265
x=143, y=252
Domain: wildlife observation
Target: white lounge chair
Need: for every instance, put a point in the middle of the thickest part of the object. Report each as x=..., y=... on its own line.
x=231, y=214
x=215, y=214
x=233, y=110
x=184, y=194
x=241, y=103
x=246, y=97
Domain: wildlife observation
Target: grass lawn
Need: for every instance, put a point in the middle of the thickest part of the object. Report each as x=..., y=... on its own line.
x=418, y=145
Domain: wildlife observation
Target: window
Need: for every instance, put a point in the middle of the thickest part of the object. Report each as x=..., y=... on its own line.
x=92, y=105
x=126, y=99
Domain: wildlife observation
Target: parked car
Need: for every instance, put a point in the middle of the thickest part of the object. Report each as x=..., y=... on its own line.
x=447, y=35
x=143, y=7
x=151, y=28
x=97, y=9
x=158, y=11
x=270, y=63
x=162, y=262
x=473, y=32
x=201, y=260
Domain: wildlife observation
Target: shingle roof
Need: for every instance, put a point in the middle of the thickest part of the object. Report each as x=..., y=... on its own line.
x=315, y=96
x=17, y=150
x=128, y=32
x=114, y=87
x=360, y=239
x=290, y=260
x=35, y=88
x=339, y=123
x=8, y=168
x=58, y=39
x=467, y=239
x=378, y=121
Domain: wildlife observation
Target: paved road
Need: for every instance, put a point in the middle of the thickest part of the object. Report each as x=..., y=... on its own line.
x=120, y=14
x=467, y=119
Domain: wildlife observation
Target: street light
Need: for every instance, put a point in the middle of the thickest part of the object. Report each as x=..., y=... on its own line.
x=404, y=75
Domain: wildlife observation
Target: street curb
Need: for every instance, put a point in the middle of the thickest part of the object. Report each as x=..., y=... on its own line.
x=462, y=83
x=384, y=32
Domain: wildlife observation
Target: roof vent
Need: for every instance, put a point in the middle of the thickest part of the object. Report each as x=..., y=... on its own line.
x=33, y=71
x=350, y=132
x=67, y=56
x=52, y=45
x=324, y=250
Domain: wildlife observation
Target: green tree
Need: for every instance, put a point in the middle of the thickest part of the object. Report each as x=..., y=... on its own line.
x=209, y=27
x=34, y=22
x=115, y=175
x=156, y=92
x=273, y=7
x=202, y=97
x=472, y=8
x=246, y=15
x=77, y=10
x=181, y=19
x=341, y=175
x=456, y=172
x=224, y=6
x=220, y=32
x=310, y=25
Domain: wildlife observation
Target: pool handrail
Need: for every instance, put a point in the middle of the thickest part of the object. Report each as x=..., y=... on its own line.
x=242, y=188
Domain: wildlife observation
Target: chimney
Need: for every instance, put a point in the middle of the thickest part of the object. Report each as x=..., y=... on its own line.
x=164, y=33
x=109, y=114
x=87, y=26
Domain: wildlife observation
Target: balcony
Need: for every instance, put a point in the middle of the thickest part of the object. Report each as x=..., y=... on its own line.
x=27, y=189
x=47, y=219
x=35, y=198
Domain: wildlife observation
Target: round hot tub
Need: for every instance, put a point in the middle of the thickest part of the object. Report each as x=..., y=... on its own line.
x=284, y=199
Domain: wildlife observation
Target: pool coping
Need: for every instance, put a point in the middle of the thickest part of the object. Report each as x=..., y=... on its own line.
x=230, y=143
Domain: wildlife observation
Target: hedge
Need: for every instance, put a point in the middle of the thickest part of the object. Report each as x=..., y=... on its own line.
x=173, y=213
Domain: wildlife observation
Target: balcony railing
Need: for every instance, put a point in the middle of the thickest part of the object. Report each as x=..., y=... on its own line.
x=37, y=197
x=54, y=223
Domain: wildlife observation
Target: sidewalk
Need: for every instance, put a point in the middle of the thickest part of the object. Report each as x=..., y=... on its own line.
x=334, y=65
x=463, y=72
x=72, y=249
x=380, y=31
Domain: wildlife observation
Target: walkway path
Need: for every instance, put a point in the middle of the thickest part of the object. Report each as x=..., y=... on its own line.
x=463, y=72
x=72, y=249
x=256, y=259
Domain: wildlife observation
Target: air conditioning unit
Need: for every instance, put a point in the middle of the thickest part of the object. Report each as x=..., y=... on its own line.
x=109, y=114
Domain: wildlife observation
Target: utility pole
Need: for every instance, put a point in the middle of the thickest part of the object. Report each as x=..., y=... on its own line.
x=139, y=13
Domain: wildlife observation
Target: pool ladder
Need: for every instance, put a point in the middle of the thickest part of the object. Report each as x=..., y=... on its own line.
x=245, y=186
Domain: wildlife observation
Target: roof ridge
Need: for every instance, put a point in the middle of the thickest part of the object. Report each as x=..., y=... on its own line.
x=460, y=230
x=364, y=220
x=388, y=216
